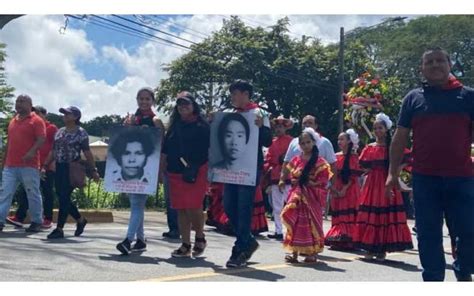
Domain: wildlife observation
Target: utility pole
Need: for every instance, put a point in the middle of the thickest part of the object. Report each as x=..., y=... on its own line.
x=340, y=94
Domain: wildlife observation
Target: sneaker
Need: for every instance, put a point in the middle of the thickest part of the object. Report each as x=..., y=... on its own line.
x=57, y=233
x=277, y=236
x=171, y=234
x=47, y=224
x=253, y=247
x=80, y=227
x=13, y=220
x=34, y=228
x=238, y=262
x=184, y=251
x=124, y=247
x=139, y=246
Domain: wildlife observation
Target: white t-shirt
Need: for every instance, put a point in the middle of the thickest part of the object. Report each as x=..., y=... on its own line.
x=326, y=150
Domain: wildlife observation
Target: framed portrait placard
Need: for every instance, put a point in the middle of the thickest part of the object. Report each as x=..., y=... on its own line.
x=133, y=160
x=234, y=148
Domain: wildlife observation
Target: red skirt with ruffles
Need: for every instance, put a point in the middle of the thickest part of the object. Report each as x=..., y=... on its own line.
x=381, y=221
x=343, y=216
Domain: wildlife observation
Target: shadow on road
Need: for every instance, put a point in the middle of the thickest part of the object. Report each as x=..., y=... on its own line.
x=14, y=234
x=395, y=264
x=191, y=262
x=133, y=258
x=320, y=265
x=252, y=273
x=64, y=241
x=332, y=259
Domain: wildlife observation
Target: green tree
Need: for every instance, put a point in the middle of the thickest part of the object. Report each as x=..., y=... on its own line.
x=290, y=76
x=395, y=48
x=100, y=126
x=6, y=91
x=55, y=119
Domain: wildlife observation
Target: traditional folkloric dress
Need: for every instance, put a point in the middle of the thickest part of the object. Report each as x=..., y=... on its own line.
x=302, y=216
x=381, y=221
x=344, y=208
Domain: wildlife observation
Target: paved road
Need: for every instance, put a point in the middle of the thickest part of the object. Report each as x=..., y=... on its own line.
x=93, y=257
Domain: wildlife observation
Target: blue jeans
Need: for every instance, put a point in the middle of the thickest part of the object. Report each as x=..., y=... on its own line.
x=436, y=197
x=171, y=214
x=30, y=179
x=238, y=206
x=137, y=216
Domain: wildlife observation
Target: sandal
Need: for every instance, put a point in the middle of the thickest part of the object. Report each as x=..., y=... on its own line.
x=200, y=244
x=311, y=259
x=369, y=256
x=183, y=251
x=289, y=258
x=381, y=257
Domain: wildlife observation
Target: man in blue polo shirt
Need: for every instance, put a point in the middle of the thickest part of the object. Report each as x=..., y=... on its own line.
x=441, y=115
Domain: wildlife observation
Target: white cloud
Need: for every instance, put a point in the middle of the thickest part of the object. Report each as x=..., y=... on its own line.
x=41, y=62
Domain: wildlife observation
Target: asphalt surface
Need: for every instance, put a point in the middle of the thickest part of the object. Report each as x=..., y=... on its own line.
x=93, y=257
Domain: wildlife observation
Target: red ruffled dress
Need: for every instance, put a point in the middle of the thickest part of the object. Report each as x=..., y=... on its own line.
x=344, y=209
x=381, y=221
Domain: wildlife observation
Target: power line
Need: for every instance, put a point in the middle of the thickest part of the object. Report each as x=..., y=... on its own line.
x=112, y=27
x=182, y=27
x=139, y=31
x=259, y=23
x=286, y=76
x=153, y=29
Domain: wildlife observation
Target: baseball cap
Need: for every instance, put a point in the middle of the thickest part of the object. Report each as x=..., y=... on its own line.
x=71, y=110
x=185, y=96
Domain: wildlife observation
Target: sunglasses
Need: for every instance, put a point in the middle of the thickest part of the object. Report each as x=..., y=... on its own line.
x=183, y=102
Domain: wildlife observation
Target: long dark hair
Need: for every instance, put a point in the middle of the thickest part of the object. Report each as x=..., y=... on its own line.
x=119, y=145
x=304, y=178
x=222, y=129
x=388, y=142
x=346, y=170
x=175, y=118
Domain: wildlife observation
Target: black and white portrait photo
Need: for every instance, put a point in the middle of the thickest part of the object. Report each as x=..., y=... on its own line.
x=133, y=160
x=233, y=152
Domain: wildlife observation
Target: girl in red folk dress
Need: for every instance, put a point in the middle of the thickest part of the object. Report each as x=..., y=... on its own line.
x=302, y=216
x=381, y=219
x=345, y=193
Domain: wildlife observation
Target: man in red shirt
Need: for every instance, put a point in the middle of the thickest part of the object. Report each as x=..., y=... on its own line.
x=441, y=115
x=273, y=164
x=47, y=182
x=26, y=134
